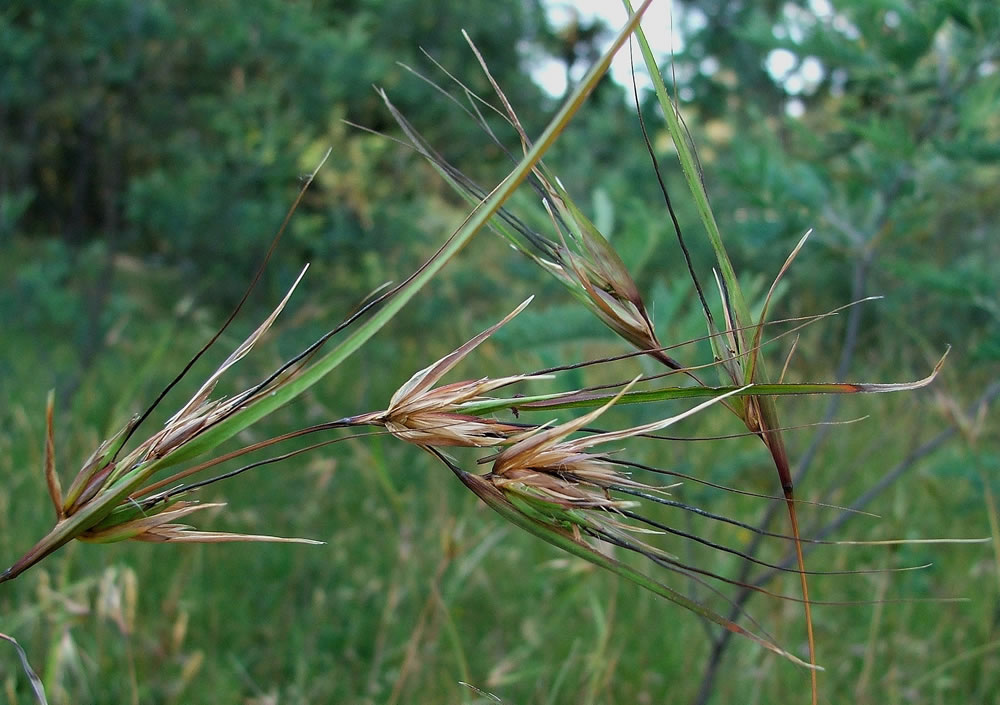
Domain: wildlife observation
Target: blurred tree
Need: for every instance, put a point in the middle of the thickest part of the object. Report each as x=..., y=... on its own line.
x=875, y=123
x=177, y=133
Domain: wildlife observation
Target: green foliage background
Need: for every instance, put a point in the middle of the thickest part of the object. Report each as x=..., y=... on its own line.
x=148, y=151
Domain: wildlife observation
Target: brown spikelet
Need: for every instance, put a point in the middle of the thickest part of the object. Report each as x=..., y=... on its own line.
x=160, y=528
x=426, y=415
x=549, y=464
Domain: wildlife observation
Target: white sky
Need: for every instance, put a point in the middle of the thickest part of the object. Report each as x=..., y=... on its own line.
x=656, y=23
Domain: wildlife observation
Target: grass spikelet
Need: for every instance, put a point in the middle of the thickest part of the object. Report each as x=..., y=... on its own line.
x=426, y=415
x=160, y=528
x=579, y=256
x=551, y=477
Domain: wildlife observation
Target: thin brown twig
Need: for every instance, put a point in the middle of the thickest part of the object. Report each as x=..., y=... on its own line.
x=721, y=643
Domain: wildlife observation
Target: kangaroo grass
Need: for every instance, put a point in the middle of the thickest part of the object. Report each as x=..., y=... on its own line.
x=542, y=480
x=581, y=258
x=548, y=479
x=757, y=412
x=557, y=529
x=107, y=481
x=545, y=479
x=421, y=414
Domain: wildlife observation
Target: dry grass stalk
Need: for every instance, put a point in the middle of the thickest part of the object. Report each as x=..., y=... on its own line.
x=555, y=487
x=579, y=256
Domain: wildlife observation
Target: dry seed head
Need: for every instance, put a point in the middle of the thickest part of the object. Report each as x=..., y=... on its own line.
x=611, y=295
x=431, y=417
x=200, y=413
x=97, y=507
x=443, y=428
x=624, y=317
x=544, y=464
x=565, y=489
x=426, y=415
x=597, y=275
x=160, y=528
x=554, y=481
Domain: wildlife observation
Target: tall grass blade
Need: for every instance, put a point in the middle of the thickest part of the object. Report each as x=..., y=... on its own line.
x=759, y=413
x=51, y=478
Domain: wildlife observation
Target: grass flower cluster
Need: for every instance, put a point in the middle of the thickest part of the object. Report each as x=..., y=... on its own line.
x=551, y=478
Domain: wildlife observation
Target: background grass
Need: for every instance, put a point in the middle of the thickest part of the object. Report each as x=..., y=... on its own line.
x=112, y=281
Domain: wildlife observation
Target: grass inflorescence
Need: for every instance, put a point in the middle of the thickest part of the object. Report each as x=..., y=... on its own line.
x=553, y=478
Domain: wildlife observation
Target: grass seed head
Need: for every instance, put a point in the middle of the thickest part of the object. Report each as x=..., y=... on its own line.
x=551, y=474
x=98, y=506
x=426, y=415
